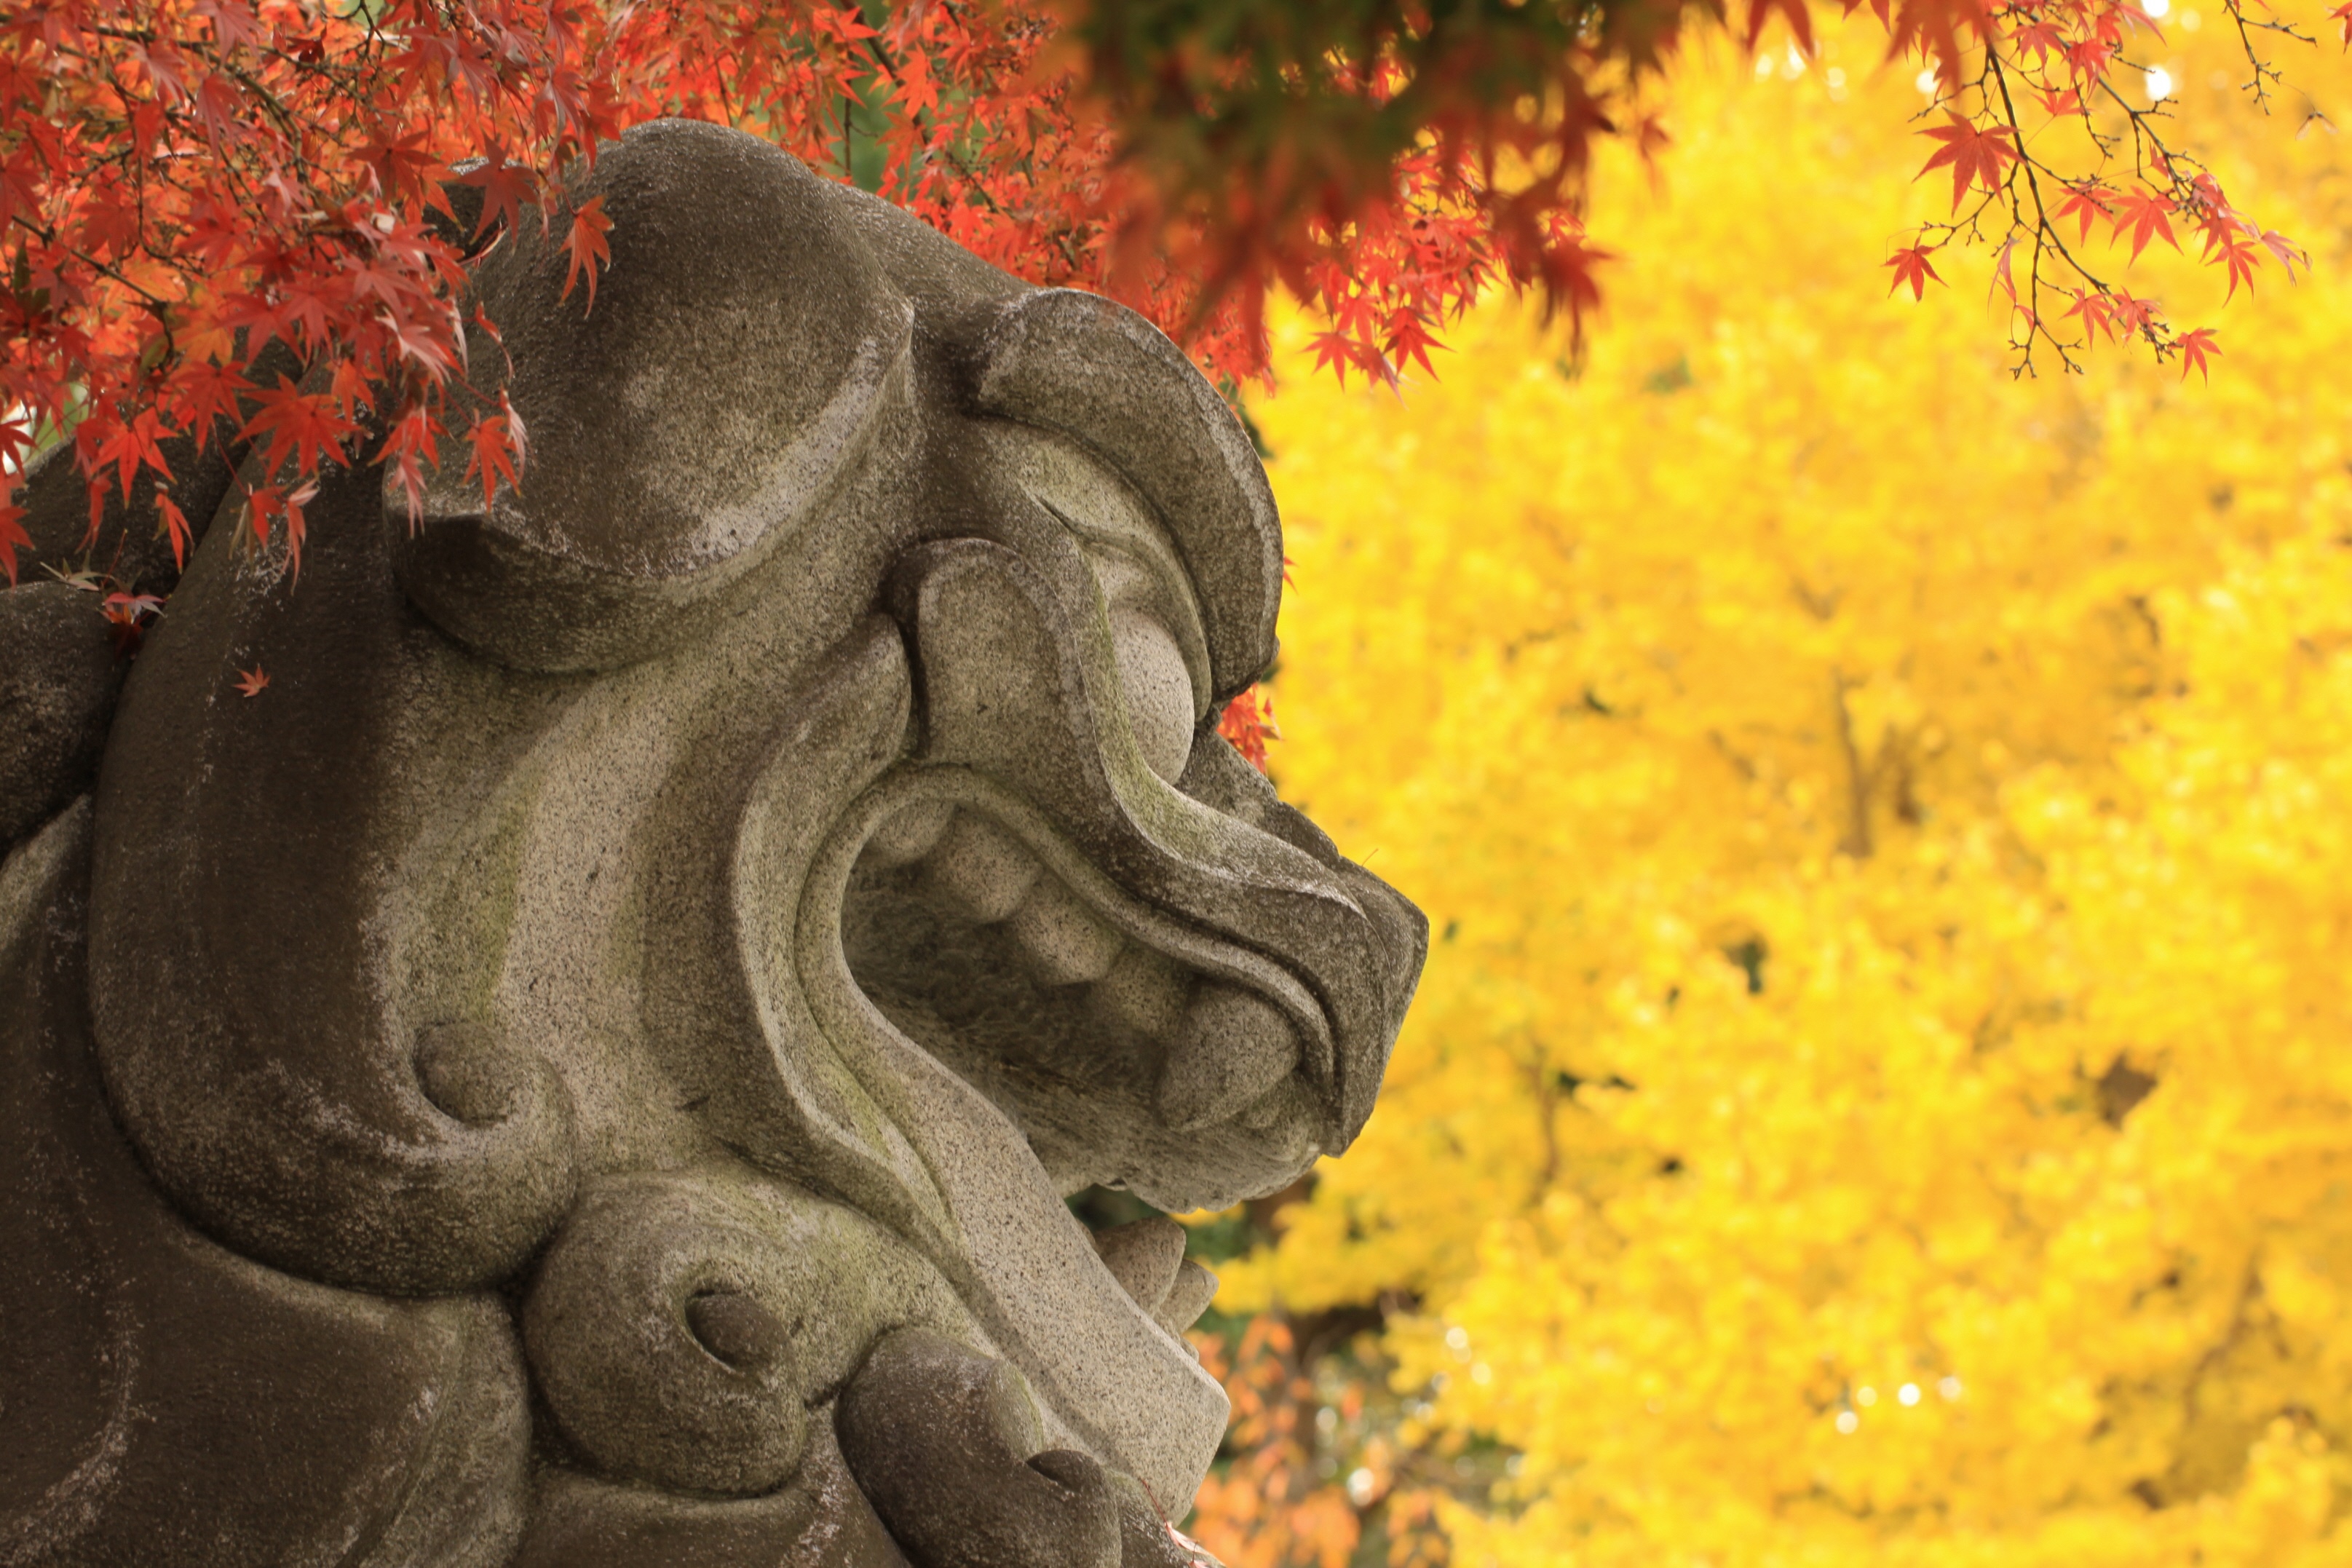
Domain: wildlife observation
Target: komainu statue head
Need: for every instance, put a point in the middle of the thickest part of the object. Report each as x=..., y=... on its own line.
x=586, y=1067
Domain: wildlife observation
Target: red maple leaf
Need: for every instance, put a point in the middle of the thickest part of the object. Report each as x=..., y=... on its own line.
x=301, y=424
x=127, y=615
x=1976, y=156
x=2089, y=57
x=918, y=90
x=2143, y=213
x=1796, y=13
x=587, y=249
x=206, y=392
x=349, y=386
x=402, y=166
x=2058, y=102
x=220, y=109
x=132, y=607
x=1247, y=723
x=129, y=607
x=413, y=441
x=843, y=22
x=1912, y=266
x=2002, y=276
x=166, y=70
x=2194, y=349
x=13, y=538
x=498, y=443
x=1334, y=351
x=249, y=682
x=261, y=503
x=297, y=528
x=2234, y=248
x=2278, y=245
x=131, y=446
x=176, y=525
x=2098, y=316
x=234, y=23
x=504, y=188
x=429, y=343
x=309, y=305
x=2039, y=40
x=2087, y=202
x=1409, y=339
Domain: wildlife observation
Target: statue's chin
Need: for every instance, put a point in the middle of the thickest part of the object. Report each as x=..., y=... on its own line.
x=1128, y=1049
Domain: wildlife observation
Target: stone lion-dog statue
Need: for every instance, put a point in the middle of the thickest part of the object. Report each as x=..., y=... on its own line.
x=586, y=1069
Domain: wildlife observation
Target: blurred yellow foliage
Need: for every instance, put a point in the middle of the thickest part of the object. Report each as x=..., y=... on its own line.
x=1881, y=1089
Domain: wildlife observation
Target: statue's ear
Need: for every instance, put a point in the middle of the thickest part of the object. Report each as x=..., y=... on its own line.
x=740, y=349
x=1101, y=374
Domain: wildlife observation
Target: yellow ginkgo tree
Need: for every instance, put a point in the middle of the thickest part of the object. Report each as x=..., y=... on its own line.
x=1882, y=1088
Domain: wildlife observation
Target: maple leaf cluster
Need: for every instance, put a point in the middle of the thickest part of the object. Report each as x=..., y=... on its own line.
x=1248, y=724
x=2072, y=61
x=238, y=230
x=1272, y=1503
x=195, y=193
x=244, y=224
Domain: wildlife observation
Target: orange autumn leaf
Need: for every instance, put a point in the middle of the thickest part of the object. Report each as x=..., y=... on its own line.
x=2196, y=347
x=587, y=249
x=1975, y=154
x=2147, y=215
x=1911, y=266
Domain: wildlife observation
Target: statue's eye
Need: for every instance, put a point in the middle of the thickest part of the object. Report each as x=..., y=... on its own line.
x=1158, y=688
x=1153, y=676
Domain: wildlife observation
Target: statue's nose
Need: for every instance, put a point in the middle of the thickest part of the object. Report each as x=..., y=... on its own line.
x=1217, y=776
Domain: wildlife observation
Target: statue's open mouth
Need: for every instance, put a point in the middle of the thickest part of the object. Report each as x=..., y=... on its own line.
x=1129, y=1048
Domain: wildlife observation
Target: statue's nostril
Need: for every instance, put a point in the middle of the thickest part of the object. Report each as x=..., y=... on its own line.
x=735, y=1328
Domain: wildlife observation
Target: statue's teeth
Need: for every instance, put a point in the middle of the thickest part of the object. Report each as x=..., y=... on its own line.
x=982, y=869
x=1188, y=1297
x=1145, y=1256
x=1233, y=1047
x=1142, y=993
x=1065, y=943
x=908, y=834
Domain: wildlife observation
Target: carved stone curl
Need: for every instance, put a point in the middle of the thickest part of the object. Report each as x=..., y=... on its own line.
x=586, y=1067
